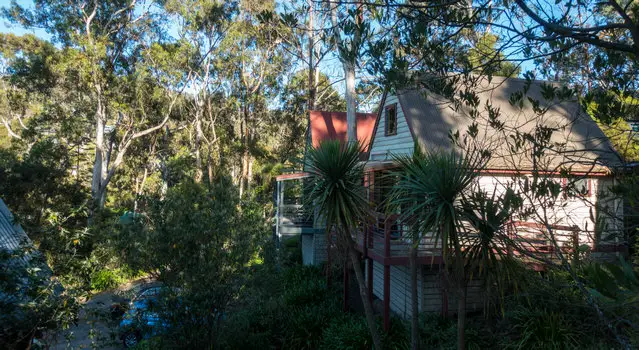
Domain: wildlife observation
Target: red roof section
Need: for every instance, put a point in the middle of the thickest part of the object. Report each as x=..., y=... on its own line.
x=332, y=126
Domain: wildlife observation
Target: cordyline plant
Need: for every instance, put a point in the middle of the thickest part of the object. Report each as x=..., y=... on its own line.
x=336, y=189
x=428, y=194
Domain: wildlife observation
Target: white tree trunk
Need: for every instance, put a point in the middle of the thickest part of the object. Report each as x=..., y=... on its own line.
x=351, y=106
x=99, y=162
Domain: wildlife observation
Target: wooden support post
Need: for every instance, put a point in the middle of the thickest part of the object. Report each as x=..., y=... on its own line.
x=329, y=264
x=444, y=292
x=387, y=234
x=387, y=298
x=369, y=267
x=346, y=286
x=575, y=247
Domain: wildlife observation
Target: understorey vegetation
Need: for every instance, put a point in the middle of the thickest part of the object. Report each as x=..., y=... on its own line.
x=291, y=307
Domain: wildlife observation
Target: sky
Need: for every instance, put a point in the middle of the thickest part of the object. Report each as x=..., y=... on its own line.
x=6, y=27
x=330, y=66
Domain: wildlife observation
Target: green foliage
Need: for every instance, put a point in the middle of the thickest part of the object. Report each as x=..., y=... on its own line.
x=198, y=241
x=32, y=301
x=336, y=187
x=437, y=332
x=109, y=277
x=550, y=312
x=539, y=328
x=485, y=58
x=288, y=309
x=346, y=332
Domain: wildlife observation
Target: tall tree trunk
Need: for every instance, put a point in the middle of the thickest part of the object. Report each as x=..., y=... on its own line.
x=100, y=159
x=461, y=317
x=311, y=45
x=363, y=292
x=461, y=302
x=209, y=167
x=414, y=321
x=198, y=142
x=348, y=64
x=351, y=107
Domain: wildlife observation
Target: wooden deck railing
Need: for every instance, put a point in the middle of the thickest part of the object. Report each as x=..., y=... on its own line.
x=388, y=243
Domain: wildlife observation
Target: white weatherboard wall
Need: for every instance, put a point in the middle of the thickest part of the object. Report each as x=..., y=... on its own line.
x=429, y=290
x=307, y=249
x=575, y=211
x=320, y=253
x=401, y=143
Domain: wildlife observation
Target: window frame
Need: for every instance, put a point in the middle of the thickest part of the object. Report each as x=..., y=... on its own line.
x=392, y=106
x=564, y=185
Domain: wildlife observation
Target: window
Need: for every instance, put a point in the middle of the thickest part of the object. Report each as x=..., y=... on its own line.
x=391, y=120
x=577, y=187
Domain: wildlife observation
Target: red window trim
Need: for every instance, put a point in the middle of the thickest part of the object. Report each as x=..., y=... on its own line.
x=390, y=106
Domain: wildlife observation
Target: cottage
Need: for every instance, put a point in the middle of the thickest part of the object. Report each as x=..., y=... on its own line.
x=577, y=155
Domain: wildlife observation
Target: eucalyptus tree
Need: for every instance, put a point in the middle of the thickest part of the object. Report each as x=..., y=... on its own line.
x=201, y=27
x=106, y=43
x=336, y=189
x=349, y=34
x=254, y=63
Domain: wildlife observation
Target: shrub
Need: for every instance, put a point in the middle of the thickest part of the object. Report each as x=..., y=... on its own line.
x=305, y=324
x=347, y=332
x=292, y=252
x=437, y=332
x=549, y=312
x=108, y=278
x=398, y=336
x=543, y=329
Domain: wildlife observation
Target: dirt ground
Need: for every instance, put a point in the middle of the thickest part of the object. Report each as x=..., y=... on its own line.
x=95, y=330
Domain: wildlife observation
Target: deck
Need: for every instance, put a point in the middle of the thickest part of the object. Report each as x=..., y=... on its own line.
x=387, y=243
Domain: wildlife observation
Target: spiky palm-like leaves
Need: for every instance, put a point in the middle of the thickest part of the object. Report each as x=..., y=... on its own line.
x=336, y=186
x=429, y=191
x=486, y=250
x=336, y=189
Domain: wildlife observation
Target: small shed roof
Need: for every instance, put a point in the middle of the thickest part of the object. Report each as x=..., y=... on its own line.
x=332, y=126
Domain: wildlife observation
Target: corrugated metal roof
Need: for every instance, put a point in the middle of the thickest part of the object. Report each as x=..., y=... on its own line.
x=11, y=234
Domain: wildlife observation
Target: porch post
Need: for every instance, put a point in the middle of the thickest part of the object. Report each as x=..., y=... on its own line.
x=277, y=212
x=345, y=306
x=386, y=297
x=387, y=227
x=369, y=266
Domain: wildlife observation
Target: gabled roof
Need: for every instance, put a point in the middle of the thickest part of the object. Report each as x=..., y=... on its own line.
x=581, y=145
x=332, y=126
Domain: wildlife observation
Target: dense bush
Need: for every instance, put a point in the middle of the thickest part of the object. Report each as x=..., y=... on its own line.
x=538, y=328
x=199, y=240
x=108, y=278
x=347, y=332
x=291, y=252
x=287, y=309
x=550, y=312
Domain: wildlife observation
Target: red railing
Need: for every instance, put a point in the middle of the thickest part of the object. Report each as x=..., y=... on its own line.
x=387, y=241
